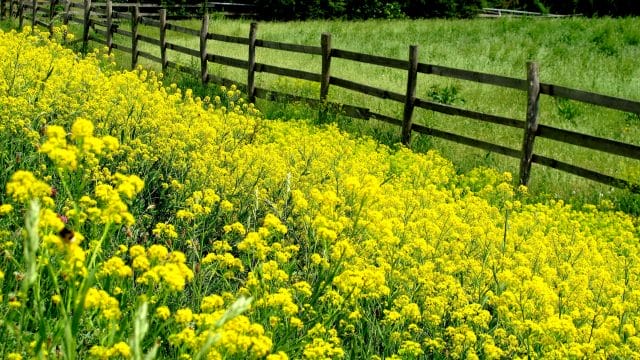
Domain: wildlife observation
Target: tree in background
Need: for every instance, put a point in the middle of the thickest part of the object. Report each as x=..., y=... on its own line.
x=366, y=9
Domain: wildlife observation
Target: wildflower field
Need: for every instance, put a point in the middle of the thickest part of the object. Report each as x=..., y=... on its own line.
x=138, y=221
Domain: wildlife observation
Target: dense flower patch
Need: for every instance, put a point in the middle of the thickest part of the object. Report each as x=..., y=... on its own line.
x=138, y=220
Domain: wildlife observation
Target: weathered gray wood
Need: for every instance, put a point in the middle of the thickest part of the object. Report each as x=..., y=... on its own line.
x=325, y=77
x=298, y=74
x=148, y=39
x=182, y=49
x=122, y=48
x=304, y=49
x=370, y=59
x=204, y=30
x=52, y=14
x=100, y=32
x=163, y=39
x=498, y=80
x=20, y=15
x=109, y=14
x=251, y=66
x=121, y=15
x=385, y=118
x=148, y=21
x=410, y=96
x=585, y=173
x=99, y=23
x=135, y=15
x=591, y=98
x=456, y=111
x=151, y=57
x=86, y=23
x=467, y=141
x=366, y=89
x=34, y=14
x=229, y=61
x=183, y=30
x=67, y=8
x=99, y=41
x=590, y=142
x=228, y=38
x=126, y=33
x=531, y=128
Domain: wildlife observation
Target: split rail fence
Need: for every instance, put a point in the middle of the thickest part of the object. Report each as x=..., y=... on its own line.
x=531, y=86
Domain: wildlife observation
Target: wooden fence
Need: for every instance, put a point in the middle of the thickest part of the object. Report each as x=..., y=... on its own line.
x=531, y=86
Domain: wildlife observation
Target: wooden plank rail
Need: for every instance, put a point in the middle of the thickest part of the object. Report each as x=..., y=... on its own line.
x=121, y=15
x=183, y=49
x=474, y=76
x=228, y=38
x=101, y=14
x=123, y=32
x=304, y=49
x=585, y=173
x=229, y=61
x=366, y=89
x=370, y=59
x=277, y=70
x=151, y=57
x=148, y=21
x=590, y=142
x=122, y=48
x=467, y=141
x=591, y=98
x=182, y=29
x=149, y=40
x=456, y=111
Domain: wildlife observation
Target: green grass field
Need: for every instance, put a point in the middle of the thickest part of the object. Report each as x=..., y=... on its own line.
x=598, y=55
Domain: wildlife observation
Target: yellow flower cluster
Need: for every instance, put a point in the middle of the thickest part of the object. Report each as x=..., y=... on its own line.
x=120, y=349
x=108, y=306
x=159, y=267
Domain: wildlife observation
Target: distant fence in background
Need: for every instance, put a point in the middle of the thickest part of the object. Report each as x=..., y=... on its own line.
x=101, y=16
x=495, y=13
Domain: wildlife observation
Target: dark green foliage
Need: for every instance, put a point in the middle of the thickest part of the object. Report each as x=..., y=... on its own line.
x=366, y=9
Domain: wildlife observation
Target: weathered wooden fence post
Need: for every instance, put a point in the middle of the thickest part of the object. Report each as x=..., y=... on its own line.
x=531, y=127
x=135, y=16
x=325, y=77
x=34, y=14
x=20, y=14
x=163, y=38
x=204, y=31
x=251, y=70
x=86, y=23
x=410, y=97
x=67, y=9
x=52, y=14
x=109, y=13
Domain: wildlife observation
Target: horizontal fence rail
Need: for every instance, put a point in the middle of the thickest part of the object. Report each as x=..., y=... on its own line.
x=102, y=14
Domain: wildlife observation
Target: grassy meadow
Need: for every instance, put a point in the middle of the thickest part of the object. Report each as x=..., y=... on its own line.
x=141, y=221
x=598, y=55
